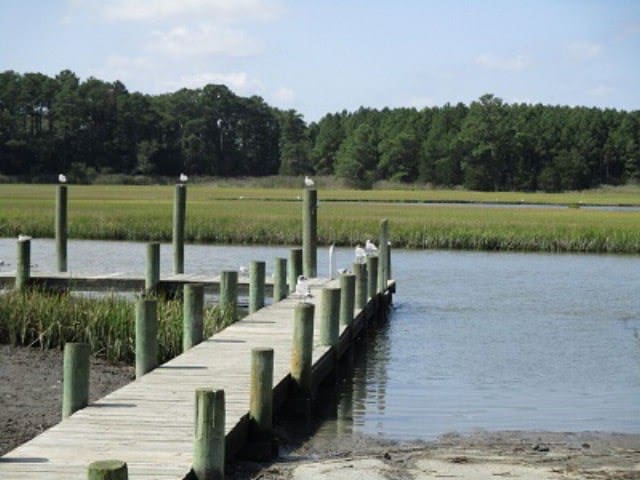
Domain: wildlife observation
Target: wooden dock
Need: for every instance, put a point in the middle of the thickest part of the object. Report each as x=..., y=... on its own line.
x=149, y=423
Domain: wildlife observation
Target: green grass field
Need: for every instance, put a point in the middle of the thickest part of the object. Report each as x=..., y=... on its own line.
x=273, y=216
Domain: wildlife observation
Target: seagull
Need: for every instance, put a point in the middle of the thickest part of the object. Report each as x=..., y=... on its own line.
x=302, y=289
x=370, y=248
x=343, y=271
x=308, y=181
x=22, y=238
x=361, y=254
x=62, y=178
x=183, y=178
x=242, y=269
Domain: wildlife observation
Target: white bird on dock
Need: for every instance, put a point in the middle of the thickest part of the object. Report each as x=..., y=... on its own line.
x=242, y=269
x=361, y=254
x=302, y=289
x=183, y=178
x=308, y=181
x=62, y=178
x=22, y=238
x=370, y=248
x=343, y=271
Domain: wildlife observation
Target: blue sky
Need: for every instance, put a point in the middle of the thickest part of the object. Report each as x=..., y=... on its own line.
x=326, y=56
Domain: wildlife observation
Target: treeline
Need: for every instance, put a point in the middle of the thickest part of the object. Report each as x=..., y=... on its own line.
x=50, y=125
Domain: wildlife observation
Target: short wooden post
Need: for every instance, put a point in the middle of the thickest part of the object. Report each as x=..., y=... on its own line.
x=179, y=215
x=229, y=295
x=383, y=261
x=146, y=336
x=256, y=285
x=360, y=272
x=372, y=278
x=329, y=316
x=280, y=289
x=75, y=377
x=209, y=441
x=193, y=315
x=61, y=227
x=261, y=393
x=302, y=348
x=347, y=298
x=23, y=263
x=294, y=268
x=310, y=233
x=152, y=277
x=108, y=470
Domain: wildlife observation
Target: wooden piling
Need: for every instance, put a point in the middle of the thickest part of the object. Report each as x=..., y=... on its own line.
x=261, y=393
x=372, y=277
x=360, y=272
x=383, y=253
x=23, y=263
x=347, y=298
x=329, y=316
x=146, y=336
x=75, y=377
x=193, y=315
x=294, y=268
x=310, y=233
x=61, y=227
x=152, y=277
x=256, y=285
x=302, y=349
x=179, y=216
x=280, y=288
x=229, y=295
x=209, y=439
x=108, y=470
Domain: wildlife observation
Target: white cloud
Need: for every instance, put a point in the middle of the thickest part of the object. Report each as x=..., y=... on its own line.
x=494, y=62
x=582, y=51
x=420, y=102
x=600, y=91
x=284, y=96
x=123, y=68
x=220, y=10
x=204, y=40
x=236, y=81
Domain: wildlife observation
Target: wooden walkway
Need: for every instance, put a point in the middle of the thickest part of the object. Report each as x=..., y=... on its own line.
x=150, y=423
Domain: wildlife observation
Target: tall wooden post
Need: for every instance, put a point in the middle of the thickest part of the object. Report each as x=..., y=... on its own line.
x=294, y=268
x=310, y=233
x=229, y=295
x=360, y=272
x=329, y=316
x=256, y=285
x=193, y=315
x=61, y=227
x=146, y=336
x=302, y=348
x=152, y=277
x=347, y=298
x=75, y=377
x=23, y=263
x=372, y=278
x=280, y=289
x=209, y=441
x=383, y=260
x=108, y=470
x=179, y=216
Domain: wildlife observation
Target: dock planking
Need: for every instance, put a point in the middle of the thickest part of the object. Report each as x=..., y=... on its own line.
x=149, y=423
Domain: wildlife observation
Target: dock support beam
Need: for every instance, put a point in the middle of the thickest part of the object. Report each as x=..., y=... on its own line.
x=310, y=233
x=372, y=277
x=280, y=288
x=383, y=257
x=209, y=441
x=347, y=298
x=23, y=263
x=294, y=268
x=256, y=285
x=152, y=277
x=179, y=215
x=301, y=355
x=360, y=272
x=108, y=470
x=329, y=316
x=75, y=378
x=228, y=304
x=193, y=315
x=261, y=446
x=146, y=336
x=61, y=227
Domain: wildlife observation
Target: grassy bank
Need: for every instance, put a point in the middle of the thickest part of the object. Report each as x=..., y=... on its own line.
x=272, y=216
x=47, y=320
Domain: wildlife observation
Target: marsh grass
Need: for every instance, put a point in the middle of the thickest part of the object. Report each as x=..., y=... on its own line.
x=49, y=320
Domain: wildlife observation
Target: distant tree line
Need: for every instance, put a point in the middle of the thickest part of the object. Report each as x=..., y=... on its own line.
x=50, y=125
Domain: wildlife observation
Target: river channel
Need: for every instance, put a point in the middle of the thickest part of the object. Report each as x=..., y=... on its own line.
x=493, y=341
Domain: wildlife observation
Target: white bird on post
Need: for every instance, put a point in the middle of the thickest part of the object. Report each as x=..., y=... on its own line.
x=308, y=181
x=183, y=178
x=361, y=254
x=370, y=248
x=62, y=178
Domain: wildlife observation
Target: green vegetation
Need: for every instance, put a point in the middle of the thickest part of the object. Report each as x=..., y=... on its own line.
x=273, y=216
x=107, y=324
x=99, y=130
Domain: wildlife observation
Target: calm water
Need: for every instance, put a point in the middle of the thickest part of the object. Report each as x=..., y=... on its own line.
x=476, y=340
